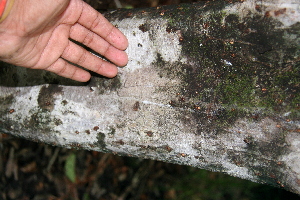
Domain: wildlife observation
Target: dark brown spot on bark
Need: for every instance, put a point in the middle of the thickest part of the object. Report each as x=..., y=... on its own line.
x=258, y=8
x=182, y=155
x=136, y=106
x=206, y=25
x=143, y=28
x=64, y=102
x=11, y=111
x=120, y=142
x=169, y=149
x=280, y=11
x=267, y=14
x=149, y=133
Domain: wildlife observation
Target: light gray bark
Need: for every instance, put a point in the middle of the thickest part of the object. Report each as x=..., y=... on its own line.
x=211, y=85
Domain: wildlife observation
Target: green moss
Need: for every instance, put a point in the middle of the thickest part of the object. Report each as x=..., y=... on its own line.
x=5, y=109
x=242, y=69
x=233, y=71
x=112, y=130
x=237, y=91
x=246, y=64
x=41, y=121
x=5, y=103
x=101, y=142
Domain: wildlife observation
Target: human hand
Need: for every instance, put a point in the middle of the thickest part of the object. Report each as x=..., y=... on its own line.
x=36, y=35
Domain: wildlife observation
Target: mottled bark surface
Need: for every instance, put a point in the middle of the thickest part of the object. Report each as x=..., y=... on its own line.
x=212, y=85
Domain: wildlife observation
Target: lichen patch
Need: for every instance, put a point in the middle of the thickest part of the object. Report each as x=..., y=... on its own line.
x=151, y=37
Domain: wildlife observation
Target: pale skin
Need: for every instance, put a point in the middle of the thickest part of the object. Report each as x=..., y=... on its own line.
x=36, y=35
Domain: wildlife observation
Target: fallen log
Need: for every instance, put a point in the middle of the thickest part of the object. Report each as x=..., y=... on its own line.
x=214, y=85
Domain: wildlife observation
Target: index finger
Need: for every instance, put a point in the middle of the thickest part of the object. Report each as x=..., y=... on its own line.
x=94, y=21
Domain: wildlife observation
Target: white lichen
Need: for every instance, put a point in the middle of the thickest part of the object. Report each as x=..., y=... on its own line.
x=285, y=11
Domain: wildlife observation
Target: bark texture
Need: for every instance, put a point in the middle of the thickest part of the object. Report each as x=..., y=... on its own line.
x=213, y=85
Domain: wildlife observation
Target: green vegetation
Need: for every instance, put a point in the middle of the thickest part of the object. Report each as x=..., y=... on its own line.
x=70, y=167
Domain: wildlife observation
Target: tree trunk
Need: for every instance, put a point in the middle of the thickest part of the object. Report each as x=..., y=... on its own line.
x=213, y=85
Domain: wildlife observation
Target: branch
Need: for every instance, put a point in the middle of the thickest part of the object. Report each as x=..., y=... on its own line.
x=211, y=85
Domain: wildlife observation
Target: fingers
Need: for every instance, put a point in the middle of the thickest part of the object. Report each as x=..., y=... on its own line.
x=97, y=43
x=98, y=24
x=95, y=32
x=78, y=55
x=65, y=69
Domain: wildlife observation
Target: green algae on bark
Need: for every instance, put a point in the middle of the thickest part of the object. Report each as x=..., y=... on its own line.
x=244, y=62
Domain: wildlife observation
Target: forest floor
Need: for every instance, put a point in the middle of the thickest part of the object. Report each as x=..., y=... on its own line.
x=33, y=171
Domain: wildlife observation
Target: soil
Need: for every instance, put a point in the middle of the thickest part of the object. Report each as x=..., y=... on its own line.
x=36, y=171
